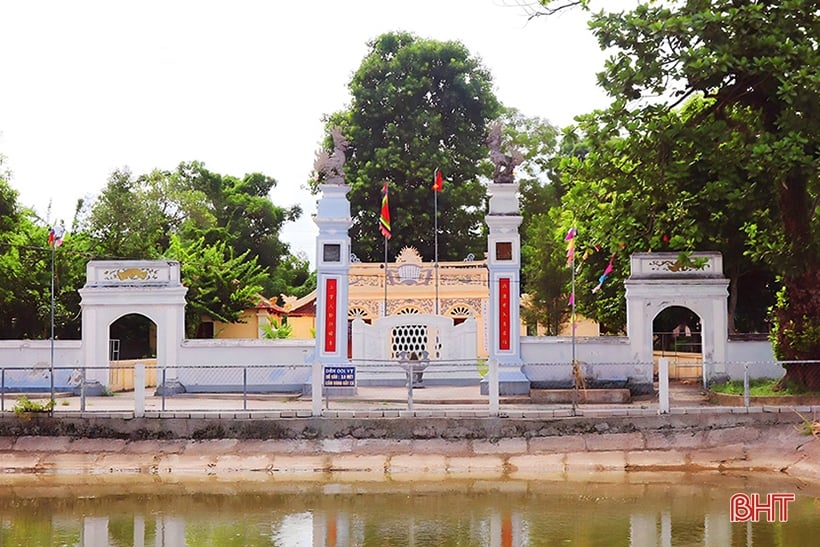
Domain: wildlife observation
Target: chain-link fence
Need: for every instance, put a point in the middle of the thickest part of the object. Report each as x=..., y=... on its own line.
x=411, y=383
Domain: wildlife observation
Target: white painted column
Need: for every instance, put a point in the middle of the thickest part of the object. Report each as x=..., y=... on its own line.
x=504, y=267
x=332, y=281
x=663, y=385
x=139, y=390
x=492, y=381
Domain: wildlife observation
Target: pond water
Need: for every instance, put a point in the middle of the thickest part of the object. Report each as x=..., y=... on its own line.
x=636, y=509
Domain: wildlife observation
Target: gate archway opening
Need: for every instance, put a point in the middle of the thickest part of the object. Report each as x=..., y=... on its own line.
x=117, y=289
x=132, y=336
x=677, y=336
x=696, y=283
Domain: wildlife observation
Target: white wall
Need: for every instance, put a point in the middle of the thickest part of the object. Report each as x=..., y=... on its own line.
x=225, y=352
x=245, y=351
x=588, y=349
x=37, y=353
x=757, y=354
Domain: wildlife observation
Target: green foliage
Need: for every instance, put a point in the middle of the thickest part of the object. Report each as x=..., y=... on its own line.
x=26, y=406
x=25, y=275
x=276, y=330
x=762, y=387
x=796, y=328
x=136, y=217
x=293, y=277
x=124, y=221
x=221, y=285
x=545, y=272
x=417, y=105
x=240, y=212
x=710, y=140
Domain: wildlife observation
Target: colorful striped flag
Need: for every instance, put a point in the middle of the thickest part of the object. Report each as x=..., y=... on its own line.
x=607, y=271
x=55, y=236
x=570, y=239
x=384, y=217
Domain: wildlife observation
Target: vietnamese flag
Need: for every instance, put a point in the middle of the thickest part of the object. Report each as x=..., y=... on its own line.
x=438, y=185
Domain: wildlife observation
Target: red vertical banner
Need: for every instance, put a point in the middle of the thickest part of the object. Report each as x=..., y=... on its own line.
x=330, y=316
x=504, y=313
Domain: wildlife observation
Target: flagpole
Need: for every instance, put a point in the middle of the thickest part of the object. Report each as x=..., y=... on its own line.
x=51, y=368
x=435, y=239
x=385, y=276
x=575, y=368
x=572, y=318
x=384, y=228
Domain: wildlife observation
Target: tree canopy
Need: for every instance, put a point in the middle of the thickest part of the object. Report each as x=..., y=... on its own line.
x=224, y=229
x=748, y=148
x=417, y=105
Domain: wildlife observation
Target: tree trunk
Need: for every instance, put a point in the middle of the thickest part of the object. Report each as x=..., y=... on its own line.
x=798, y=332
x=798, y=320
x=733, y=280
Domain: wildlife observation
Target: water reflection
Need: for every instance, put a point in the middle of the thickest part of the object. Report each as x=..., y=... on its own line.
x=629, y=509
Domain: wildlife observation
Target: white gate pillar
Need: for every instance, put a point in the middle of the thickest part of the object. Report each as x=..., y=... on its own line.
x=332, y=267
x=504, y=266
x=661, y=280
x=115, y=288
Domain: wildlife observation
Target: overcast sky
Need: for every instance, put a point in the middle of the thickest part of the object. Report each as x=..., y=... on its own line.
x=241, y=85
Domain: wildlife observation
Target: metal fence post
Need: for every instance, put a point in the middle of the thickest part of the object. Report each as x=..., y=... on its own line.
x=492, y=385
x=245, y=387
x=411, y=369
x=2, y=390
x=163, y=387
x=139, y=390
x=82, y=389
x=317, y=369
x=746, y=389
x=663, y=385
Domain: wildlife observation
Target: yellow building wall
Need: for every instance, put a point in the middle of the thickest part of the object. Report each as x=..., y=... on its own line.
x=121, y=374
x=411, y=285
x=584, y=327
x=304, y=327
x=248, y=328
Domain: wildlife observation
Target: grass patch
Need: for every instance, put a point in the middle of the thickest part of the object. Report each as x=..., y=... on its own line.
x=809, y=427
x=761, y=387
x=26, y=406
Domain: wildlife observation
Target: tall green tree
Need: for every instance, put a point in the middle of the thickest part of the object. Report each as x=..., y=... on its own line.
x=755, y=59
x=243, y=212
x=221, y=285
x=543, y=271
x=667, y=185
x=136, y=216
x=25, y=274
x=417, y=105
x=124, y=221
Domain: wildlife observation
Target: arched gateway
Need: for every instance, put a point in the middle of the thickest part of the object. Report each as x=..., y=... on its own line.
x=660, y=280
x=114, y=289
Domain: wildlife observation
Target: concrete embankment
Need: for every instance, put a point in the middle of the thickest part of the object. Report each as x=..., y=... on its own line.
x=435, y=446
